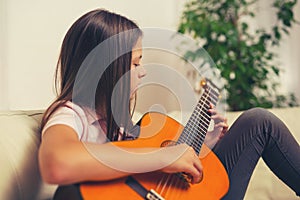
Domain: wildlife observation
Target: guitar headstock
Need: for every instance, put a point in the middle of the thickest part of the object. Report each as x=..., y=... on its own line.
x=208, y=84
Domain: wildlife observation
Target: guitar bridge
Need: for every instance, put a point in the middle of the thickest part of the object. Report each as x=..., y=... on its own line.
x=152, y=195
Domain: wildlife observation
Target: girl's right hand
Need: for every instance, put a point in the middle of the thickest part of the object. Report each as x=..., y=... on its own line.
x=188, y=163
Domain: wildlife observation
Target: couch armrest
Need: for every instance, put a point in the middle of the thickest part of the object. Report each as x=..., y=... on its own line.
x=20, y=139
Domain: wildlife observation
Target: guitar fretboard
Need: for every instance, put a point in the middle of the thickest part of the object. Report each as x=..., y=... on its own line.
x=196, y=128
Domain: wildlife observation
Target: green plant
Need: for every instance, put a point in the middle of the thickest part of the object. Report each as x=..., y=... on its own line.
x=243, y=57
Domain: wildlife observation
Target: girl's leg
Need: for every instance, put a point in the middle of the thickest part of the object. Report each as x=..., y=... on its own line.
x=258, y=133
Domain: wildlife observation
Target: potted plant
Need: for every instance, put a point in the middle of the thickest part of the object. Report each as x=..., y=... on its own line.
x=244, y=58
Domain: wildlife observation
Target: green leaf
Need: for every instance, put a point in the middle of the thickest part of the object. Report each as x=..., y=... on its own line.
x=220, y=24
x=275, y=70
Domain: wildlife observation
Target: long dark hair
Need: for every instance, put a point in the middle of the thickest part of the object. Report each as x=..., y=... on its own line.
x=82, y=38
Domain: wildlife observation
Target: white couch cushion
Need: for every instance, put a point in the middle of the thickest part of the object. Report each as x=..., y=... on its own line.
x=20, y=178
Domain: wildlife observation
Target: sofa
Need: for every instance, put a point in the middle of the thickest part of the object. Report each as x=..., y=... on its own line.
x=21, y=180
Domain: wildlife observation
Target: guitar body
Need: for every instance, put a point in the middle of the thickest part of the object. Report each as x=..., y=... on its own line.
x=157, y=129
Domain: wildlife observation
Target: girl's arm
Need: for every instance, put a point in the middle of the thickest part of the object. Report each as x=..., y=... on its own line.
x=63, y=159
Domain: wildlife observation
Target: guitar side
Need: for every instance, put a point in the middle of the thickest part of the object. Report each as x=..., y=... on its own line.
x=156, y=129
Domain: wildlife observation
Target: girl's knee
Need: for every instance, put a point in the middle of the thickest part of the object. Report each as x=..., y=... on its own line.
x=259, y=118
x=257, y=113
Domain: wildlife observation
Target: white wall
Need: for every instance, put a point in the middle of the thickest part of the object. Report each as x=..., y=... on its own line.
x=288, y=52
x=290, y=58
x=3, y=47
x=32, y=32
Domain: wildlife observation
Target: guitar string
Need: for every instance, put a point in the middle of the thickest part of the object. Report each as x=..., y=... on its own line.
x=196, y=114
x=164, y=184
x=159, y=183
x=169, y=186
x=203, y=121
x=197, y=145
x=170, y=182
x=180, y=184
x=200, y=126
x=192, y=122
x=205, y=118
x=172, y=194
x=202, y=117
x=186, y=130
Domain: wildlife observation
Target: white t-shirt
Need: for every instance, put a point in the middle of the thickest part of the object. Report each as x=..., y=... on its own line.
x=83, y=121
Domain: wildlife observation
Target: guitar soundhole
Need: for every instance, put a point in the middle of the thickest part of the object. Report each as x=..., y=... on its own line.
x=168, y=143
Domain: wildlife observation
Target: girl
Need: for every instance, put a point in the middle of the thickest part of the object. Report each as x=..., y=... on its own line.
x=75, y=121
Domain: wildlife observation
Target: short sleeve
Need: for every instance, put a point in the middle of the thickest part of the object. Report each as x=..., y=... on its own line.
x=69, y=116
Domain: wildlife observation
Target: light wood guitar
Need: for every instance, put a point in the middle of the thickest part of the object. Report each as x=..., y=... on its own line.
x=157, y=130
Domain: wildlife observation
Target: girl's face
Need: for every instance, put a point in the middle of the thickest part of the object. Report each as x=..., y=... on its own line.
x=137, y=71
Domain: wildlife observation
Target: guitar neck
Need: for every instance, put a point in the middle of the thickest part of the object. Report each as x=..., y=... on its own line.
x=196, y=128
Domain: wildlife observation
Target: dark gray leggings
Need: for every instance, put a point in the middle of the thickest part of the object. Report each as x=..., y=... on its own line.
x=258, y=133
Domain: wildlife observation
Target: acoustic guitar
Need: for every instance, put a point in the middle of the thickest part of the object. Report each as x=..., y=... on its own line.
x=157, y=130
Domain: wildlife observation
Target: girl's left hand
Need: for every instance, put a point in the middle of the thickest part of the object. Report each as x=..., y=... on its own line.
x=220, y=128
x=220, y=123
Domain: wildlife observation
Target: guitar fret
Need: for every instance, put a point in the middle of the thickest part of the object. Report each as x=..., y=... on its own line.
x=190, y=141
x=199, y=125
x=191, y=130
x=196, y=118
x=204, y=115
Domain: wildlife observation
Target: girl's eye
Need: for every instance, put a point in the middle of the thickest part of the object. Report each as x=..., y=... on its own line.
x=136, y=65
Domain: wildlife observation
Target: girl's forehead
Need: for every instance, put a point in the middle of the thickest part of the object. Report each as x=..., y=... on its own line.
x=137, y=50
